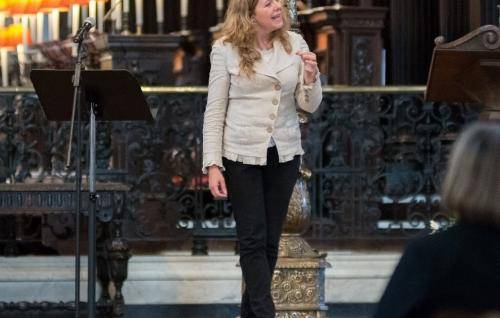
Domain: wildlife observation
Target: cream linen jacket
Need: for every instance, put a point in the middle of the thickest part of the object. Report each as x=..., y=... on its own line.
x=242, y=113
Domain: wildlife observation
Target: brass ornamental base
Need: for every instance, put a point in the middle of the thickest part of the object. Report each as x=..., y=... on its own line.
x=298, y=286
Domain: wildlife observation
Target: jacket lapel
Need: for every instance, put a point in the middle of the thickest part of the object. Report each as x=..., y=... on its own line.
x=267, y=69
x=283, y=59
x=280, y=60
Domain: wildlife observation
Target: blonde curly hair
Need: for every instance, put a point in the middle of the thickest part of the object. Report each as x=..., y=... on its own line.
x=238, y=30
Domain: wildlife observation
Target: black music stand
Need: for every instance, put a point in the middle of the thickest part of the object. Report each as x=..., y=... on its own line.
x=111, y=95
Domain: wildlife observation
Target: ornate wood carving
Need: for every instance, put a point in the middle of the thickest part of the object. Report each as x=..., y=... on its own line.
x=348, y=42
x=466, y=70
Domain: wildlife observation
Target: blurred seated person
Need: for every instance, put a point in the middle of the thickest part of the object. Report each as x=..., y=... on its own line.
x=188, y=65
x=456, y=272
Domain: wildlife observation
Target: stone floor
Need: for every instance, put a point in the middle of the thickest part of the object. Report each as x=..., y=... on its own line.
x=231, y=311
x=204, y=311
x=175, y=284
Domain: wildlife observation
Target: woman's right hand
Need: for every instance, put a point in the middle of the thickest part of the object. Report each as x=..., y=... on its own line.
x=217, y=183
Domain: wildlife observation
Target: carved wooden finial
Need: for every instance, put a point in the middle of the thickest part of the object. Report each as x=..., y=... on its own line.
x=439, y=40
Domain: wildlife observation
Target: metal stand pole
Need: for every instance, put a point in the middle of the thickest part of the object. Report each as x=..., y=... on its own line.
x=92, y=216
x=77, y=95
x=92, y=192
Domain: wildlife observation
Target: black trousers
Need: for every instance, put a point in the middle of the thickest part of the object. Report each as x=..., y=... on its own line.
x=260, y=196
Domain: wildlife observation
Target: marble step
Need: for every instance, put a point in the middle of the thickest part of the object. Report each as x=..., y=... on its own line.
x=179, y=278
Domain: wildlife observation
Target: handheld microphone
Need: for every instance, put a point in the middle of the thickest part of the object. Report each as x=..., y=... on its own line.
x=88, y=24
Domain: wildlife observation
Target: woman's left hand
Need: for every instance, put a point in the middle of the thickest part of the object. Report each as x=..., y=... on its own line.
x=310, y=66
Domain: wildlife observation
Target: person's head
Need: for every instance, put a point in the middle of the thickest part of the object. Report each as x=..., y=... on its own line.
x=247, y=18
x=471, y=187
x=267, y=16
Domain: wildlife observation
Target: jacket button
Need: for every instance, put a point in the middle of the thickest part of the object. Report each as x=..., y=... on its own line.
x=272, y=116
x=275, y=101
x=269, y=129
x=277, y=87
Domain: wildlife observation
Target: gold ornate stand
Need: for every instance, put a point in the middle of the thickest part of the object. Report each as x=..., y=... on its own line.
x=298, y=286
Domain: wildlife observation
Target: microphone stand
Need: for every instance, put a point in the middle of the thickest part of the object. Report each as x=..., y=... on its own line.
x=92, y=214
x=92, y=206
x=76, y=112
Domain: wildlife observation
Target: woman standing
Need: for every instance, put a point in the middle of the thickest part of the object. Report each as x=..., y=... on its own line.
x=260, y=73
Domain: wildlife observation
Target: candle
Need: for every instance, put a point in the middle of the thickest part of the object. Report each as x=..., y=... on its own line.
x=69, y=20
x=2, y=19
x=112, y=9
x=55, y=25
x=75, y=23
x=85, y=12
x=118, y=16
x=100, y=16
x=184, y=8
x=4, y=55
x=39, y=27
x=138, y=12
x=126, y=6
x=93, y=9
x=21, y=58
x=159, y=11
x=33, y=27
x=25, y=30
x=219, y=5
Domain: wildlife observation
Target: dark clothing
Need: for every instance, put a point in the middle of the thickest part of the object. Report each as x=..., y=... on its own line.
x=260, y=196
x=457, y=269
